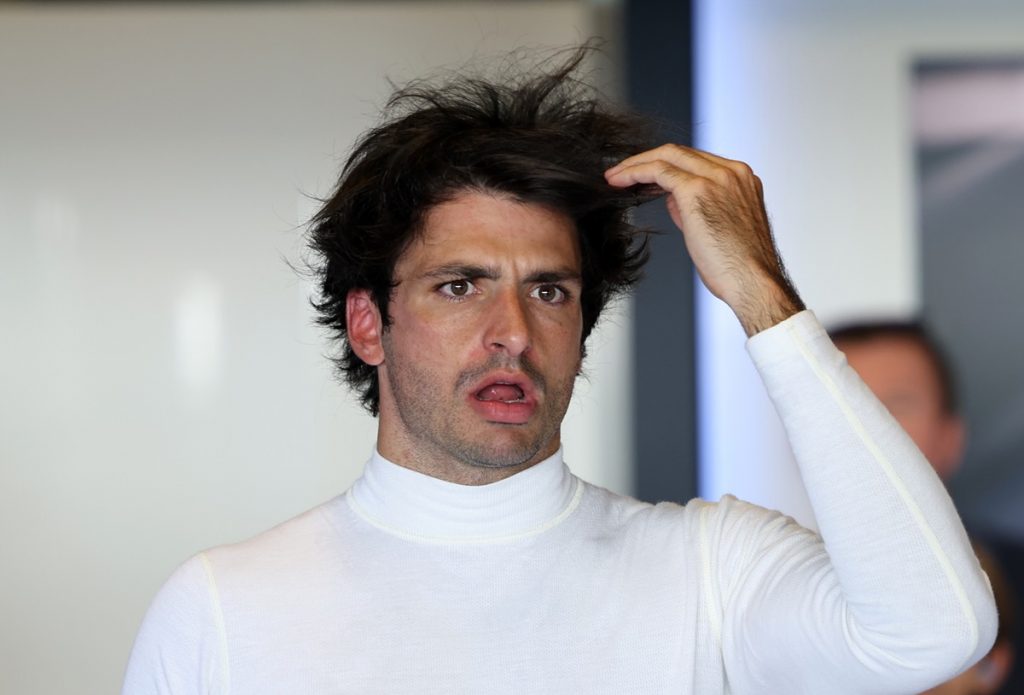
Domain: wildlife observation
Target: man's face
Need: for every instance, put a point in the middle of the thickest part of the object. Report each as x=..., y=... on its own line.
x=484, y=345
x=899, y=372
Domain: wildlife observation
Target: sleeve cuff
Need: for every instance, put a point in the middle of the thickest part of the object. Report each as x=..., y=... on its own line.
x=780, y=342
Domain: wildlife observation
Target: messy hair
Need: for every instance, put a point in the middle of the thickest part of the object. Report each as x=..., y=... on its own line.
x=537, y=137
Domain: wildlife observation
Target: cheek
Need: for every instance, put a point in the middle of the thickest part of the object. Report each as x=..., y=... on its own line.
x=566, y=358
x=428, y=347
x=562, y=327
x=923, y=432
x=437, y=321
x=410, y=339
x=914, y=426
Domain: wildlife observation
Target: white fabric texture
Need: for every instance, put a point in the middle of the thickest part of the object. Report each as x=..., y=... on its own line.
x=542, y=583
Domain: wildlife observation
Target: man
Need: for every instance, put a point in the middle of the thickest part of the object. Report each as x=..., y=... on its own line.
x=901, y=362
x=466, y=254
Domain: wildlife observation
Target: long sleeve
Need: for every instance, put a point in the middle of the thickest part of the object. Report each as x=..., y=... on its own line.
x=891, y=596
x=180, y=648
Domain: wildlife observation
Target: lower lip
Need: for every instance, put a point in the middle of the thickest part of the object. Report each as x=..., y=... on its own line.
x=517, y=413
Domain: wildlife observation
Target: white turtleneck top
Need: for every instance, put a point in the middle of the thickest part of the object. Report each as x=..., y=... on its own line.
x=541, y=583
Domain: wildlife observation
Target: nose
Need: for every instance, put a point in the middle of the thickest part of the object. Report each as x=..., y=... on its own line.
x=508, y=327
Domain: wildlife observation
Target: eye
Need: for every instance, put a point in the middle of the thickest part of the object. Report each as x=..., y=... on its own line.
x=550, y=294
x=456, y=288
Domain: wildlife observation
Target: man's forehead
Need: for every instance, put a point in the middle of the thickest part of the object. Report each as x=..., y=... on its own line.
x=483, y=204
x=885, y=347
x=475, y=224
x=896, y=359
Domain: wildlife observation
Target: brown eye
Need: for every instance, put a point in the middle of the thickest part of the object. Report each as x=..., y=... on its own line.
x=456, y=288
x=550, y=294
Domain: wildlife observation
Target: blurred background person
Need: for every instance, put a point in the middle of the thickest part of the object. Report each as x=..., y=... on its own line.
x=909, y=372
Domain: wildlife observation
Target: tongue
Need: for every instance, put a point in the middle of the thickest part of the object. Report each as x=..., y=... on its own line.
x=500, y=392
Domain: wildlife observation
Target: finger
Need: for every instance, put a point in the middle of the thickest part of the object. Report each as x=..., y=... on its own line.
x=685, y=158
x=662, y=174
x=671, y=151
x=717, y=159
x=658, y=174
x=696, y=161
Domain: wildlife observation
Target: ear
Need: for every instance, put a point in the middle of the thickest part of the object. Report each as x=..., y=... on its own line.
x=364, y=325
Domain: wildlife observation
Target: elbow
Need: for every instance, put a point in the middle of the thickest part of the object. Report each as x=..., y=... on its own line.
x=956, y=645
x=988, y=620
x=946, y=639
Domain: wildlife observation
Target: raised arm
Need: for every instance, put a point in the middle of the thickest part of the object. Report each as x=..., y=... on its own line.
x=891, y=598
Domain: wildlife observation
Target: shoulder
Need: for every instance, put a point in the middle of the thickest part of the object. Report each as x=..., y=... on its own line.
x=291, y=541
x=626, y=514
x=180, y=645
x=628, y=510
x=730, y=534
x=728, y=521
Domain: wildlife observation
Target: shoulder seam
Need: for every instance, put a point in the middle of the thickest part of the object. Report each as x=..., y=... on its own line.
x=218, y=617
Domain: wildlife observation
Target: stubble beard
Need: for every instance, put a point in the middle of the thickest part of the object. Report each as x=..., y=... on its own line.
x=446, y=427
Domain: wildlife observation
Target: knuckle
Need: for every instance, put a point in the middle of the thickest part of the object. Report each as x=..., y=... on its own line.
x=670, y=150
x=743, y=170
x=736, y=175
x=744, y=175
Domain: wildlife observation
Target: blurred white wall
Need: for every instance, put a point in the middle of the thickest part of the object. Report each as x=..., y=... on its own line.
x=815, y=95
x=163, y=389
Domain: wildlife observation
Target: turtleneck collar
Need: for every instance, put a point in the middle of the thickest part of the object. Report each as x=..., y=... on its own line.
x=406, y=503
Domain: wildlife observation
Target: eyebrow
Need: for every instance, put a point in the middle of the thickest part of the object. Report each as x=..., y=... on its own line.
x=554, y=276
x=467, y=270
x=463, y=270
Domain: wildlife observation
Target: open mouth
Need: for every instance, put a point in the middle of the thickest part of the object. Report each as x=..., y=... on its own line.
x=504, y=399
x=501, y=392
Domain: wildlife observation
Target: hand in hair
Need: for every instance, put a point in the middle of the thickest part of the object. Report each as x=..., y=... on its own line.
x=719, y=205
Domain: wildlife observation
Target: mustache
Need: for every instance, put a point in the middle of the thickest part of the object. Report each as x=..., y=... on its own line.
x=506, y=363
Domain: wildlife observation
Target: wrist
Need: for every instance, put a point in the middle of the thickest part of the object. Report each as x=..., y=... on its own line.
x=761, y=305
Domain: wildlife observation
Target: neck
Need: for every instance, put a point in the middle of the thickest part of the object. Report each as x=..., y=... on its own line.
x=405, y=502
x=424, y=459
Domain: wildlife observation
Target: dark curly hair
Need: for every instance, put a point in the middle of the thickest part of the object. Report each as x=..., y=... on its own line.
x=542, y=138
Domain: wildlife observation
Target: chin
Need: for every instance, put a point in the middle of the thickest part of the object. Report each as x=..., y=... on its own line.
x=511, y=455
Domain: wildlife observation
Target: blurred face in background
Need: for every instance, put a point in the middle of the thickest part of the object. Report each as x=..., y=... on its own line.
x=901, y=374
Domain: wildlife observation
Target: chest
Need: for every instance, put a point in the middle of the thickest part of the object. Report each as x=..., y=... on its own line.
x=532, y=618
